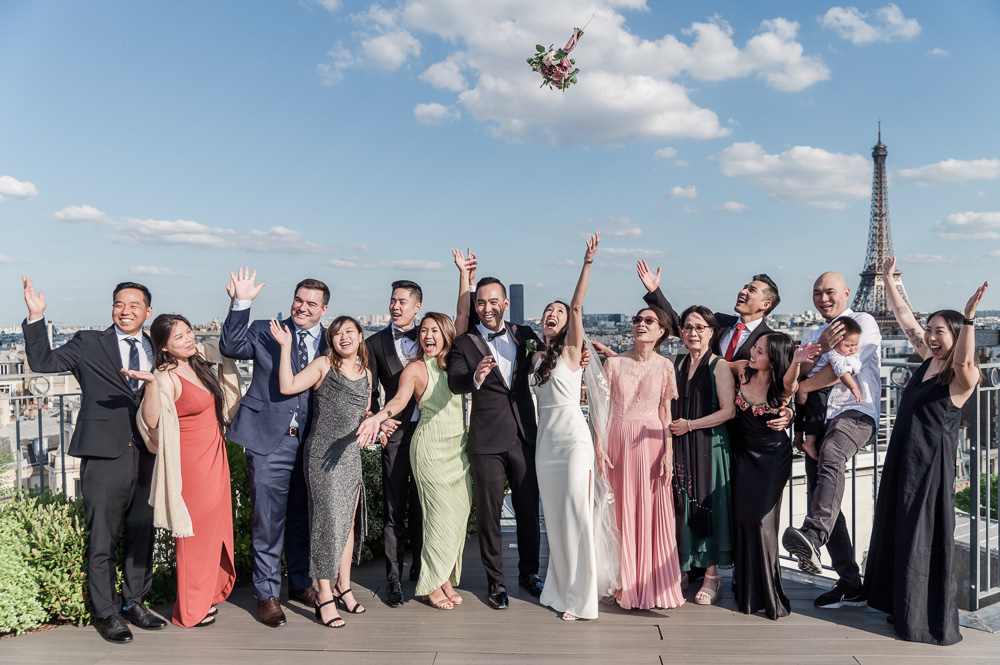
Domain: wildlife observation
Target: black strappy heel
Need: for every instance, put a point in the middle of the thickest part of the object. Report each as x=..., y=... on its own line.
x=339, y=597
x=331, y=622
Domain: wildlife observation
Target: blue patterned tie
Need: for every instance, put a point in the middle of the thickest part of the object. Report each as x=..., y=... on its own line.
x=133, y=361
x=302, y=350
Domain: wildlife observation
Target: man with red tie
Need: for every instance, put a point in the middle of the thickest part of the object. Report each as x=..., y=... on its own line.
x=738, y=332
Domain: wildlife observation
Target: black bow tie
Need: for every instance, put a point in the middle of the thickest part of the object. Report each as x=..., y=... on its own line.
x=493, y=335
x=410, y=334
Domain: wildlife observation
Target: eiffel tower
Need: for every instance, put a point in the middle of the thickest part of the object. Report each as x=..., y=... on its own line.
x=870, y=296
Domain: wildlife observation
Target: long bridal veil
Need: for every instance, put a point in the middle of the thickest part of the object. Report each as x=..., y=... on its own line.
x=607, y=539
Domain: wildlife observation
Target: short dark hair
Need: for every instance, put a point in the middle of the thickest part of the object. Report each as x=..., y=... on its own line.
x=770, y=293
x=415, y=291
x=710, y=321
x=315, y=285
x=486, y=281
x=850, y=325
x=133, y=285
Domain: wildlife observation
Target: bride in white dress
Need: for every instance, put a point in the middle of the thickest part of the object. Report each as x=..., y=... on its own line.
x=565, y=457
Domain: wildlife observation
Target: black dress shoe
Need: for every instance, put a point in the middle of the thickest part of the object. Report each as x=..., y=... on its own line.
x=139, y=616
x=113, y=629
x=497, y=597
x=532, y=583
x=394, y=596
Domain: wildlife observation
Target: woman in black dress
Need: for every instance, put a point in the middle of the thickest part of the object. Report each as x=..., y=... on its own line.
x=909, y=573
x=762, y=464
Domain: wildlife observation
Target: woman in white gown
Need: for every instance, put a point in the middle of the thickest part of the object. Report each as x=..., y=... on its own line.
x=565, y=458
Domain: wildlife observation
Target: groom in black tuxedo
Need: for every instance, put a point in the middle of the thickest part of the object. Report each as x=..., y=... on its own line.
x=389, y=351
x=491, y=361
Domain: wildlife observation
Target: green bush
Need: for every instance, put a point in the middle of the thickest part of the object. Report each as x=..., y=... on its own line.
x=371, y=470
x=987, y=483
x=20, y=607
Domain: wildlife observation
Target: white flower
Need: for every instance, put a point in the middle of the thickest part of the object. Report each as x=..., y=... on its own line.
x=549, y=57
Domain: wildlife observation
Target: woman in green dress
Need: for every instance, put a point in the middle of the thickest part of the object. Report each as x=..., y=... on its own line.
x=437, y=452
x=704, y=404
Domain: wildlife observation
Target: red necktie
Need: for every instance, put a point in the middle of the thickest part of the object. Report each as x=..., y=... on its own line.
x=735, y=341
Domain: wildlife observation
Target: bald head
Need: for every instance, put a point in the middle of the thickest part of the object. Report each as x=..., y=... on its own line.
x=830, y=295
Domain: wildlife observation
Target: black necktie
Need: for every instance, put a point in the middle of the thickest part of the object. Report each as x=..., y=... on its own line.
x=503, y=331
x=133, y=361
x=303, y=353
x=410, y=334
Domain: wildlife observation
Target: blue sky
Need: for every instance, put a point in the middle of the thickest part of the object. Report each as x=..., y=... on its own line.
x=357, y=142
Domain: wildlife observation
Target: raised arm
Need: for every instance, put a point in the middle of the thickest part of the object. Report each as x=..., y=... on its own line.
x=235, y=340
x=904, y=315
x=802, y=354
x=573, y=348
x=967, y=375
x=654, y=296
x=288, y=382
x=466, y=284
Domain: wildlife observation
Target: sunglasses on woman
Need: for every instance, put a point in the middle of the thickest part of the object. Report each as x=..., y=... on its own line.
x=648, y=320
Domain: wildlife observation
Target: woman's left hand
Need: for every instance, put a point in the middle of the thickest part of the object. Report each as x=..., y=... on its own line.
x=666, y=466
x=680, y=427
x=805, y=353
x=973, y=304
x=592, y=243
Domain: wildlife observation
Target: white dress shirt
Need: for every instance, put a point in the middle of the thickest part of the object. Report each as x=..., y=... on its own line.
x=406, y=350
x=503, y=350
x=125, y=348
x=744, y=334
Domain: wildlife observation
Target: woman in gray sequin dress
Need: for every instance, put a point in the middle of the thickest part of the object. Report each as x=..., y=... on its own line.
x=341, y=383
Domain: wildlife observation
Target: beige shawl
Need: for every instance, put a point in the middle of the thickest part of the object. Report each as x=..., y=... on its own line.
x=169, y=511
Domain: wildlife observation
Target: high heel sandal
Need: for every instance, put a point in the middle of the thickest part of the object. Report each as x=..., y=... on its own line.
x=332, y=623
x=454, y=598
x=440, y=604
x=708, y=595
x=339, y=597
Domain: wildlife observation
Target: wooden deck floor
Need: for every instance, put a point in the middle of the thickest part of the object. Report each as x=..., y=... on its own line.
x=525, y=633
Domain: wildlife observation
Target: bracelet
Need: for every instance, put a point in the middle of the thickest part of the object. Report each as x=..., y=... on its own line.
x=969, y=322
x=588, y=261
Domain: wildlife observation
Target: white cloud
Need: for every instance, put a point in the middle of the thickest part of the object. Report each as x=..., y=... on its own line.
x=627, y=88
x=84, y=213
x=341, y=263
x=621, y=227
x=447, y=74
x=6, y=259
x=329, y=5
x=407, y=265
x=732, y=206
x=626, y=251
x=681, y=163
x=929, y=258
x=10, y=186
x=938, y=53
x=435, y=114
x=665, y=153
x=157, y=272
x=953, y=170
x=688, y=210
x=811, y=176
x=679, y=192
x=565, y=263
x=969, y=226
x=887, y=25
x=389, y=51
x=360, y=247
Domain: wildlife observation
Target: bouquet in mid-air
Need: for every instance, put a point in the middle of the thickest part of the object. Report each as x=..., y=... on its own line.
x=555, y=66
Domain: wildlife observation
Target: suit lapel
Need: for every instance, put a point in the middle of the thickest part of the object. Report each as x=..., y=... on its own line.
x=480, y=343
x=512, y=331
x=109, y=340
x=389, y=352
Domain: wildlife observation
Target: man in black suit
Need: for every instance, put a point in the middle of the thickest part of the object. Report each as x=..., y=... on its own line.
x=116, y=469
x=490, y=361
x=738, y=332
x=389, y=351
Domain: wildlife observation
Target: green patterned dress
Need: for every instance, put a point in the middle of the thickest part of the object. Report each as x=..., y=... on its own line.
x=441, y=470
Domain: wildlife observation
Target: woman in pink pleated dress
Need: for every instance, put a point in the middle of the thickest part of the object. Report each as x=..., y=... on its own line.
x=638, y=463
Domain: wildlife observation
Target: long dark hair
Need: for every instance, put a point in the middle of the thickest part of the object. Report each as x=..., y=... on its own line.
x=336, y=360
x=953, y=320
x=553, y=348
x=447, y=328
x=780, y=349
x=159, y=332
x=710, y=320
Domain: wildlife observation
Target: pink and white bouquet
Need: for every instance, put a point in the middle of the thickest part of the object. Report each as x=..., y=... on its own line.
x=556, y=68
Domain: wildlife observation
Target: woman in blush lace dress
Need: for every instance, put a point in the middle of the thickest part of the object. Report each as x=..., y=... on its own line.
x=640, y=457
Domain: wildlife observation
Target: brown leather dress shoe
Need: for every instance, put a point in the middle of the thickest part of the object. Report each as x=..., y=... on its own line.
x=307, y=596
x=270, y=612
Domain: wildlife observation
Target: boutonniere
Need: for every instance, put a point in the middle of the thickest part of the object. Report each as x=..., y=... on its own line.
x=530, y=347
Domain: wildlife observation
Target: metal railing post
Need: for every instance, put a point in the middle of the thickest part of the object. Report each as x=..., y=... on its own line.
x=974, y=505
x=42, y=455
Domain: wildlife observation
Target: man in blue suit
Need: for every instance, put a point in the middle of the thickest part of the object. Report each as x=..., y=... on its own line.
x=271, y=427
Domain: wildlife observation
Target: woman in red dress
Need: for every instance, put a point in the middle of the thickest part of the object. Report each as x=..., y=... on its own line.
x=181, y=420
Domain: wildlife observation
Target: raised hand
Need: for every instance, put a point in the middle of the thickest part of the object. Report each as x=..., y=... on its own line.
x=143, y=376
x=281, y=333
x=805, y=353
x=592, y=243
x=971, y=306
x=473, y=264
x=888, y=269
x=650, y=280
x=602, y=349
x=242, y=284
x=34, y=301
x=483, y=368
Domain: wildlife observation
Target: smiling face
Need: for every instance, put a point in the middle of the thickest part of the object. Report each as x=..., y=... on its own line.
x=759, y=359
x=130, y=311
x=830, y=295
x=751, y=300
x=431, y=338
x=696, y=333
x=347, y=340
x=307, y=308
x=554, y=319
x=403, y=308
x=491, y=303
x=646, y=328
x=938, y=337
x=180, y=343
